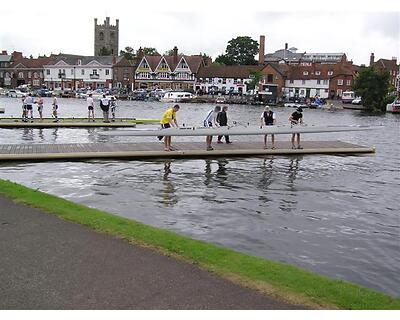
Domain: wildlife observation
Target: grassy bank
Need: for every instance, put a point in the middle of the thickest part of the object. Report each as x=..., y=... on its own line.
x=284, y=281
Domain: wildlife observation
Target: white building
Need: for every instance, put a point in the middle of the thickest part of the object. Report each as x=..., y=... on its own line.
x=224, y=79
x=79, y=72
x=306, y=88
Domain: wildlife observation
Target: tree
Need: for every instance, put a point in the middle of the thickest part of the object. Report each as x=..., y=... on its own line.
x=105, y=52
x=373, y=87
x=128, y=53
x=207, y=60
x=240, y=50
x=150, y=51
x=256, y=76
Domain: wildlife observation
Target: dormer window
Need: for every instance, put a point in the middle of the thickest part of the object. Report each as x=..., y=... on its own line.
x=317, y=73
x=305, y=73
x=330, y=72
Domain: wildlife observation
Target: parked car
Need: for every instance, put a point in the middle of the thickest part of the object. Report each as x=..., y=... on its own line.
x=357, y=101
x=15, y=93
x=43, y=93
x=3, y=92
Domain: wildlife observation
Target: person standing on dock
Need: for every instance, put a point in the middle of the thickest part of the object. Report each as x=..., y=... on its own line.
x=268, y=118
x=105, y=106
x=222, y=120
x=39, y=102
x=24, y=111
x=168, y=120
x=55, y=109
x=113, y=104
x=295, y=119
x=29, y=106
x=211, y=121
x=90, y=106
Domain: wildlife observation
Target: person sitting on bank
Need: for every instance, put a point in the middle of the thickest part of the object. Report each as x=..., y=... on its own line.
x=168, y=120
x=211, y=121
x=295, y=119
x=222, y=120
x=105, y=106
x=268, y=118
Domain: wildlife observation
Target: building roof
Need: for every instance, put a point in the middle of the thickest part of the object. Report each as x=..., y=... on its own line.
x=194, y=62
x=296, y=72
x=84, y=60
x=5, y=58
x=283, y=54
x=238, y=71
x=31, y=63
x=386, y=64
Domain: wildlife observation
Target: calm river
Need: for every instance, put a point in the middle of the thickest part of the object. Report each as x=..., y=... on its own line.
x=336, y=215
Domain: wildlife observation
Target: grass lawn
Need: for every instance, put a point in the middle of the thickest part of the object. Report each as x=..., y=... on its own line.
x=280, y=280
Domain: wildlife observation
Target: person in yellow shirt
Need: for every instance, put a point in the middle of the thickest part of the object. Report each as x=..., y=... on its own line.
x=168, y=120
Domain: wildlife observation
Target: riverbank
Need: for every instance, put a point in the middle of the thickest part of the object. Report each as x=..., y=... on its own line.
x=282, y=281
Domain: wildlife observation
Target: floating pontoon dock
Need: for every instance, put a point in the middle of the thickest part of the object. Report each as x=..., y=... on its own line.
x=82, y=151
x=12, y=123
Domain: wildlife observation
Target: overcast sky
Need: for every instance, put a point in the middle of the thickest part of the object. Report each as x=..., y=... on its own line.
x=44, y=26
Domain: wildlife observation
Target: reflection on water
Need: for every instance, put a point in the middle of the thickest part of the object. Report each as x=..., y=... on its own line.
x=335, y=215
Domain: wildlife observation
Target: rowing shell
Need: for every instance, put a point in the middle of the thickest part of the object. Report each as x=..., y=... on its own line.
x=234, y=131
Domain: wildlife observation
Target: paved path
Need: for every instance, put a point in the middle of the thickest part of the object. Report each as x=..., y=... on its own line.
x=68, y=151
x=48, y=263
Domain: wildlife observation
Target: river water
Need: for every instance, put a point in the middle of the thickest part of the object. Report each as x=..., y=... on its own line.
x=336, y=215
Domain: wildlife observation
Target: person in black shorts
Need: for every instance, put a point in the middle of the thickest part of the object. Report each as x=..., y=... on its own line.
x=296, y=119
x=222, y=120
x=268, y=118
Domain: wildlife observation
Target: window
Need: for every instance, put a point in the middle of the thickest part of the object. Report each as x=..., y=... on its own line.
x=82, y=72
x=302, y=92
x=303, y=81
x=20, y=75
x=348, y=82
x=270, y=78
x=48, y=72
x=325, y=82
x=101, y=36
x=94, y=71
x=326, y=90
x=330, y=72
x=339, y=92
x=224, y=81
x=305, y=73
x=29, y=74
x=107, y=72
x=35, y=75
x=318, y=92
x=340, y=82
x=318, y=81
x=291, y=81
x=1, y=74
x=317, y=73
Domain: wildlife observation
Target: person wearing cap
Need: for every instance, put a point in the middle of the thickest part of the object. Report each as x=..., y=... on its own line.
x=268, y=118
x=295, y=119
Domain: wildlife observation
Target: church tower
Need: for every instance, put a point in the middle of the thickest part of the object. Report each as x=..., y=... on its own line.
x=106, y=38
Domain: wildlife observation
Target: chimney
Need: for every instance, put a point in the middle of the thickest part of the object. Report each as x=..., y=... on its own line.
x=175, y=55
x=4, y=52
x=16, y=56
x=114, y=60
x=140, y=53
x=286, y=46
x=371, y=59
x=261, y=53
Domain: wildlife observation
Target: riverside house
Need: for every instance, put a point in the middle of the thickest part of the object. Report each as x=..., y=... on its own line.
x=73, y=72
x=167, y=71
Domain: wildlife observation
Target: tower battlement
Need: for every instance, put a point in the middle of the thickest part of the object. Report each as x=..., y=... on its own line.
x=106, y=38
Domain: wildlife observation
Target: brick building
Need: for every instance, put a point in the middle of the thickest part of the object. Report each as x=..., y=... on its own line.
x=124, y=73
x=386, y=65
x=273, y=81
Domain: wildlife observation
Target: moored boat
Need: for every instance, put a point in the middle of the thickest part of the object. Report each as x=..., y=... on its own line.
x=177, y=96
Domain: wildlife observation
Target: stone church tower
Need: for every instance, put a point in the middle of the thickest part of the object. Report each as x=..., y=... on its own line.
x=106, y=38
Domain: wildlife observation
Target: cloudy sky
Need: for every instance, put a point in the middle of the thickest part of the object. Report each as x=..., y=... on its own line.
x=44, y=26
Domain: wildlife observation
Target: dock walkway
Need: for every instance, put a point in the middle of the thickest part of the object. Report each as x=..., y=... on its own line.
x=75, y=151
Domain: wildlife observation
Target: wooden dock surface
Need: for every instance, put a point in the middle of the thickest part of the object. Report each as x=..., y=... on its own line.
x=12, y=123
x=74, y=151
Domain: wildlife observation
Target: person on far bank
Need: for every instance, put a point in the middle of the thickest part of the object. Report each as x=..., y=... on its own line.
x=168, y=120
x=296, y=119
x=211, y=121
x=105, y=106
x=55, y=109
x=113, y=105
x=222, y=120
x=90, y=106
x=39, y=102
x=268, y=118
